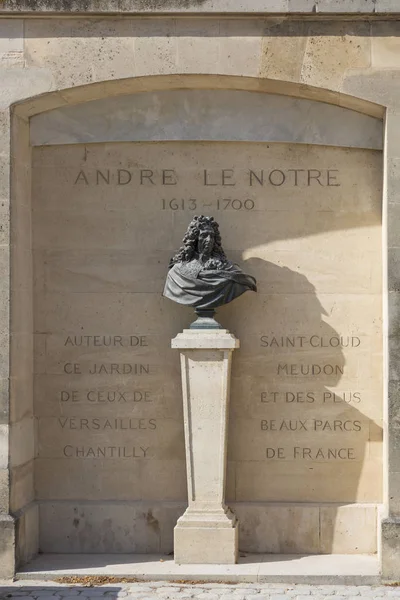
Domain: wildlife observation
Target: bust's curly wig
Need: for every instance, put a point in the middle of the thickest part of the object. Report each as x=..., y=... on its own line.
x=190, y=243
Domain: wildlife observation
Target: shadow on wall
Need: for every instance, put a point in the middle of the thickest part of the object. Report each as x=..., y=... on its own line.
x=300, y=426
x=224, y=27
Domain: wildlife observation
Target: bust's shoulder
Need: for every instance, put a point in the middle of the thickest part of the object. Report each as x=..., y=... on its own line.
x=190, y=268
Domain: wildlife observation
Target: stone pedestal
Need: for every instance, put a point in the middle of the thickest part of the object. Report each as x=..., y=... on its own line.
x=208, y=530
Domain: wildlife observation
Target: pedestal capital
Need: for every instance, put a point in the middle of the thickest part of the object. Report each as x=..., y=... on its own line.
x=202, y=339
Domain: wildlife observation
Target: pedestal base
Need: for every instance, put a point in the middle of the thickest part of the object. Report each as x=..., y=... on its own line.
x=206, y=538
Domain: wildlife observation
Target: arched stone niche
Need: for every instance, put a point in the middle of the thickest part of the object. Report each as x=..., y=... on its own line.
x=294, y=177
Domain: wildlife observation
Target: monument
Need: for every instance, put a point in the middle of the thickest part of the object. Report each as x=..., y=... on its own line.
x=200, y=275
x=285, y=131
x=305, y=389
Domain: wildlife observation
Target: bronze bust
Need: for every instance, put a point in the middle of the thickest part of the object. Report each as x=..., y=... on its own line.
x=201, y=276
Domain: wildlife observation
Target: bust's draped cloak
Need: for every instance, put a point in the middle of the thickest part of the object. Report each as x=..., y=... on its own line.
x=192, y=284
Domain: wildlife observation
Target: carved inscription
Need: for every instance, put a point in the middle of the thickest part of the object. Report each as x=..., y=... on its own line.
x=105, y=451
x=112, y=397
x=107, y=369
x=311, y=454
x=210, y=177
x=318, y=423
x=105, y=397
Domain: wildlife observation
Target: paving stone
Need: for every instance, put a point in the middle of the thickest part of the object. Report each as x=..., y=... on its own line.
x=138, y=588
x=153, y=597
x=141, y=595
x=44, y=593
x=66, y=597
x=313, y=596
x=99, y=591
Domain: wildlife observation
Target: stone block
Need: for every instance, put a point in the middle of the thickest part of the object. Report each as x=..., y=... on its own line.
x=390, y=557
x=348, y=529
x=394, y=490
x=394, y=426
x=22, y=442
x=7, y=547
x=386, y=6
x=4, y=491
x=394, y=310
x=4, y=180
x=393, y=181
x=394, y=269
x=307, y=529
x=392, y=135
x=283, y=47
x=144, y=439
x=376, y=85
x=394, y=355
x=205, y=545
x=240, y=47
x=4, y=302
x=21, y=394
x=259, y=481
x=4, y=401
x=4, y=224
x=140, y=527
x=14, y=87
x=22, y=486
x=194, y=39
x=58, y=49
x=5, y=131
x=4, y=355
x=384, y=46
x=301, y=6
x=4, y=443
x=27, y=534
x=168, y=114
x=333, y=49
x=271, y=529
x=120, y=479
x=338, y=6
x=254, y=439
x=11, y=38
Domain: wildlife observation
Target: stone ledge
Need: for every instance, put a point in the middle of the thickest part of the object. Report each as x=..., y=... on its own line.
x=254, y=568
x=268, y=7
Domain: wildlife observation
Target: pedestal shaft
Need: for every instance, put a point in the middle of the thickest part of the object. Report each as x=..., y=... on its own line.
x=207, y=532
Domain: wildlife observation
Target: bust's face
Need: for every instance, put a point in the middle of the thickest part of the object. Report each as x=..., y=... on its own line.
x=206, y=242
